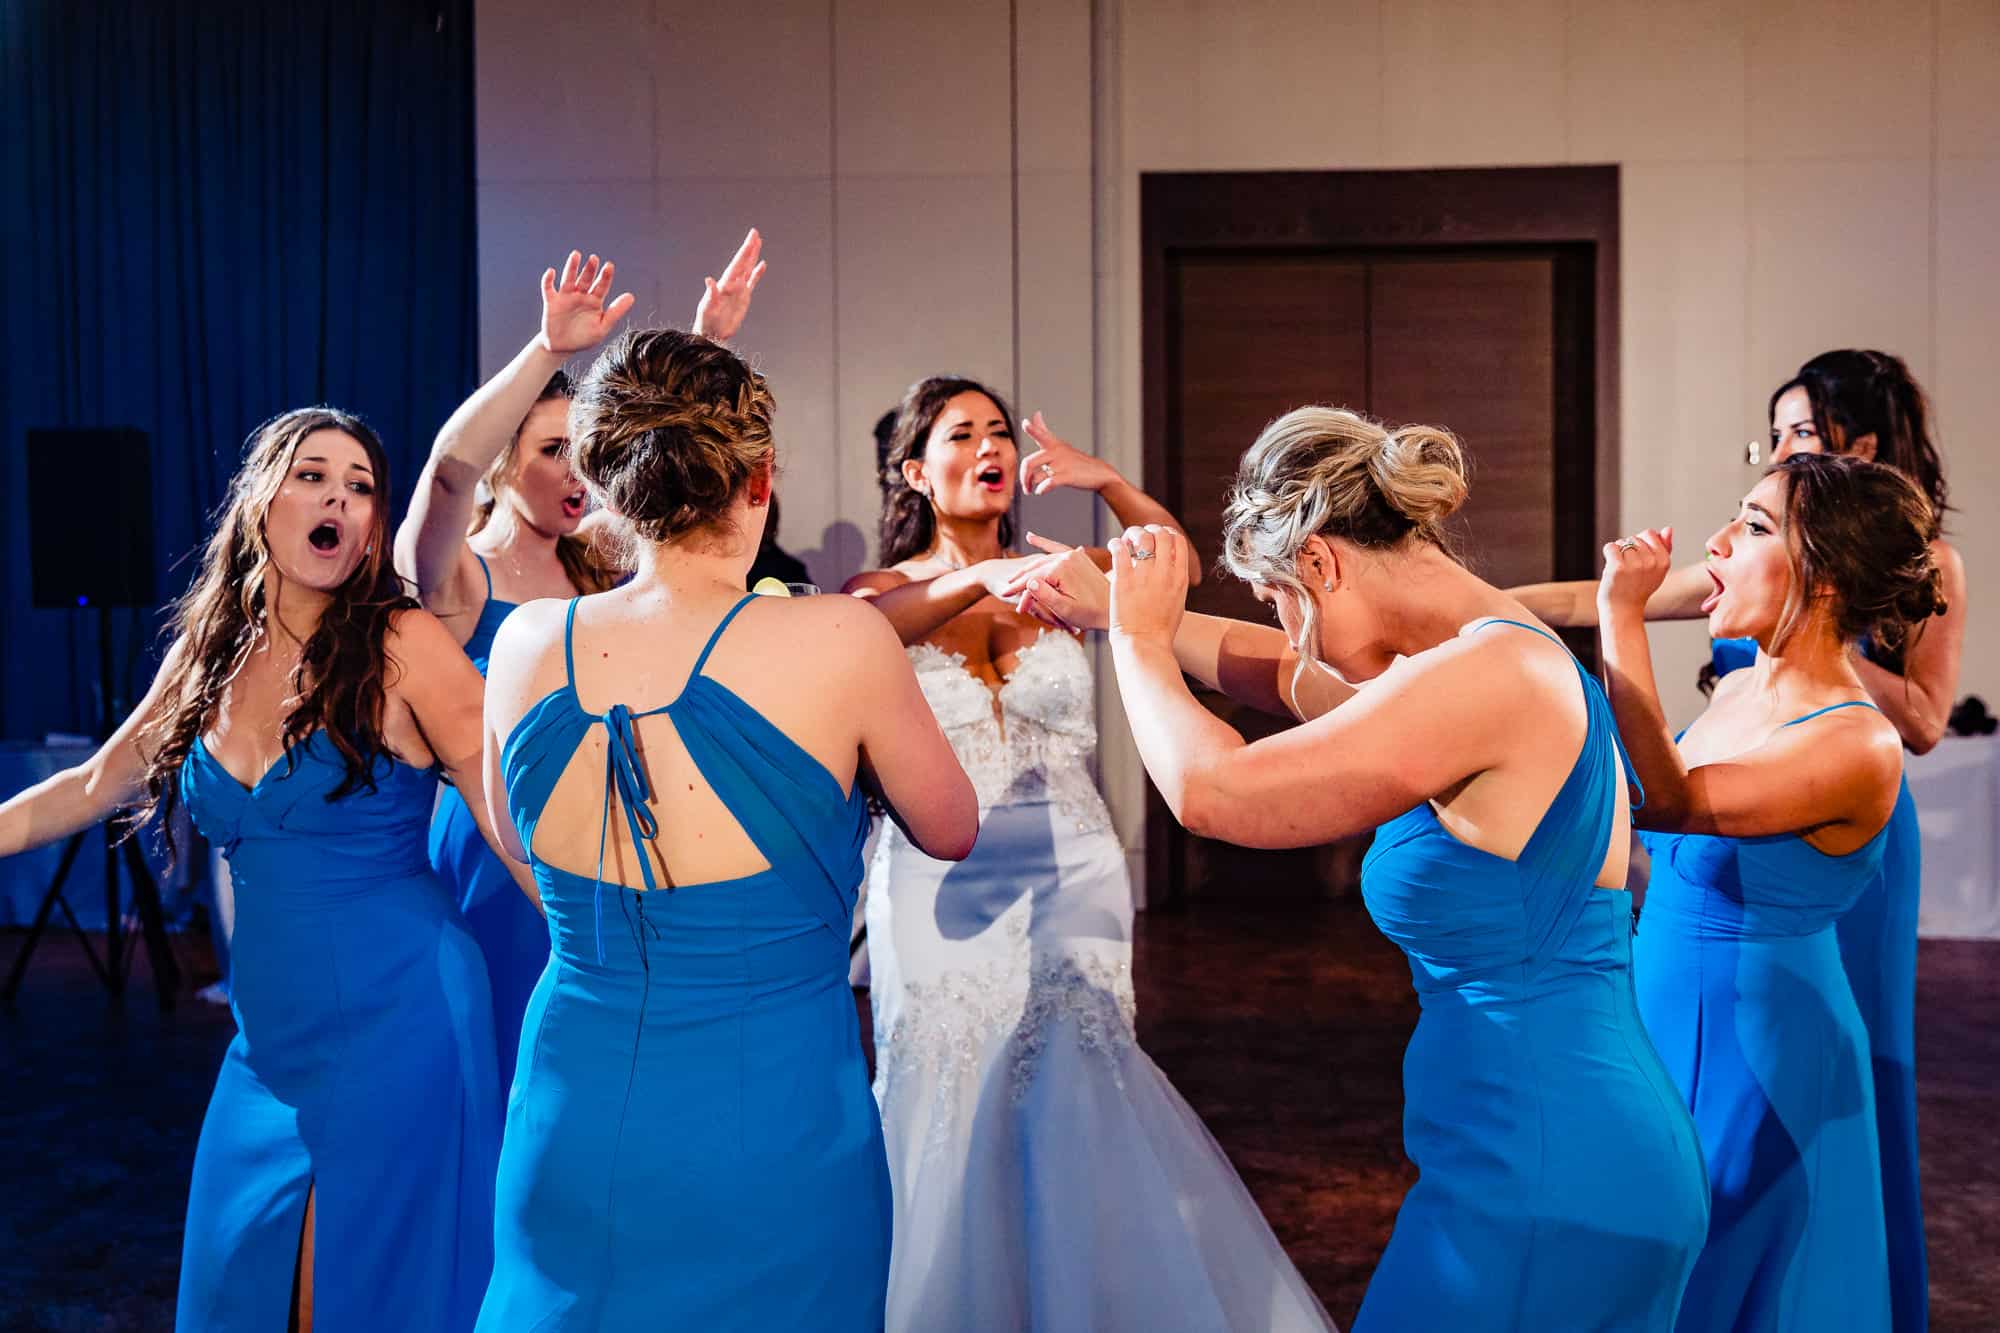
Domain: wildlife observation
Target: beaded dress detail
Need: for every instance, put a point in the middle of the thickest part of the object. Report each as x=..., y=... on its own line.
x=1045, y=1173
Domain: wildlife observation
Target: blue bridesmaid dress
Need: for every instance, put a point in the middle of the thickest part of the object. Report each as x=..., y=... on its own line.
x=1878, y=951
x=691, y=1142
x=361, y=1071
x=1742, y=989
x=511, y=933
x=1560, y=1182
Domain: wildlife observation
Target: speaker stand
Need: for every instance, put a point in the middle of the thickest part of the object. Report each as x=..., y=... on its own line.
x=115, y=967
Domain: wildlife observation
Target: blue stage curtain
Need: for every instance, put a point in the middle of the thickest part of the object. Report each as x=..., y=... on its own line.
x=213, y=212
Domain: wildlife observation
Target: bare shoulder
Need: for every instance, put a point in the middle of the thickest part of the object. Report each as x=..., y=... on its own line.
x=1469, y=675
x=870, y=582
x=1951, y=566
x=415, y=634
x=1862, y=737
x=531, y=627
x=833, y=629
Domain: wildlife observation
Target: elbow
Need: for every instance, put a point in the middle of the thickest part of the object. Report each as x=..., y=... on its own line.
x=956, y=836
x=1194, y=806
x=1923, y=737
x=958, y=842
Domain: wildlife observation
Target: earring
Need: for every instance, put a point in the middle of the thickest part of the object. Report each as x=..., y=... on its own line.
x=1328, y=587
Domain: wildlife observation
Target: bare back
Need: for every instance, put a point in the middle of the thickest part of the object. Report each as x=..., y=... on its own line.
x=811, y=668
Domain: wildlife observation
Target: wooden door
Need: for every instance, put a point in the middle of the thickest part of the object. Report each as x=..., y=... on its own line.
x=1471, y=340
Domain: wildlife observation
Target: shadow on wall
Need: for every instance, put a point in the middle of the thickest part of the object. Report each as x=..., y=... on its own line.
x=841, y=554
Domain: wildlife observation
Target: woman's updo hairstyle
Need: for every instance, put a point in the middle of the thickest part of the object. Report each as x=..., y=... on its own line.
x=666, y=428
x=1861, y=533
x=1329, y=472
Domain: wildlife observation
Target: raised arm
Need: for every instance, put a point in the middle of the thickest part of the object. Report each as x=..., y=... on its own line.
x=917, y=607
x=1255, y=665
x=430, y=543
x=1802, y=780
x=1573, y=604
x=1919, y=701
x=726, y=300
x=1056, y=462
x=94, y=790
x=446, y=695
x=1425, y=726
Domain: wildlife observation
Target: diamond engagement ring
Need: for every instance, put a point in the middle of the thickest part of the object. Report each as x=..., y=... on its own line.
x=1627, y=543
x=1138, y=554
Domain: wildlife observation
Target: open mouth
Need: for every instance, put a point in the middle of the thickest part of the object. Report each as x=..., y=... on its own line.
x=993, y=477
x=1708, y=602
x=572, y=505
x=325, y=538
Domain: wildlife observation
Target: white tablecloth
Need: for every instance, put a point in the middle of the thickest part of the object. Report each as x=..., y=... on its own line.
x=1957, y=790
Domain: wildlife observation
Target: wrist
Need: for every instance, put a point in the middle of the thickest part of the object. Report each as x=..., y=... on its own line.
x=540, y=352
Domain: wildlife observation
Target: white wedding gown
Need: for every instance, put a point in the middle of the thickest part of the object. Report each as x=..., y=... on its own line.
x=1046, y=1174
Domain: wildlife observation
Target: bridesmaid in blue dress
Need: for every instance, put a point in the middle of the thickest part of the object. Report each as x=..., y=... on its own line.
x=691, y=1141
x=498, y=518
x=1865, y=404
x=1740, y=976
x=345, y=1169
x=1560, y=1181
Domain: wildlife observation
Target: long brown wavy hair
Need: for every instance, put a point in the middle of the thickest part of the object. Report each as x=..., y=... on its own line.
x=908, y=525
x=587, y=569
x=341, y=681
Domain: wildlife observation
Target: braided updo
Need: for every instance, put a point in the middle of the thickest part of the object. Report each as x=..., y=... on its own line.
x=666, y=428
x=1329, y=472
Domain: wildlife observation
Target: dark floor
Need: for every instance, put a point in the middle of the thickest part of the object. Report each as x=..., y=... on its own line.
x=1283, y=1028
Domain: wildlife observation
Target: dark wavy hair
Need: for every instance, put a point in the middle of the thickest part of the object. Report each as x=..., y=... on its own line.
x=341, y=681
x=1856, y=392
x=908, y=525
x=1860, y=535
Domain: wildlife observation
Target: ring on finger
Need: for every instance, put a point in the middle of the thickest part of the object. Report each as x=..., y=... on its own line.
x=1627, y=543
x=1140, y=553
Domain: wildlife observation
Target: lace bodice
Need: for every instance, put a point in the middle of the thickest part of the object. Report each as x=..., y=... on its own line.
x=1037, y=745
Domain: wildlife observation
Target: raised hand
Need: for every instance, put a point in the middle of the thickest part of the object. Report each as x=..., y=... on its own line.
x=726, y=301
x=1057, y=462
x=574, y=315
x=1634, y=568
x=1068, y=591
x=1148, y=582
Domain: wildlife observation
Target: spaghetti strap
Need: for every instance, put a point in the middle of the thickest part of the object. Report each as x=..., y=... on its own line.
x=1522, y=624
x=709, y=647
x=487, y=570
x=1590, y=685
x=569, y=652
x=1851, y=703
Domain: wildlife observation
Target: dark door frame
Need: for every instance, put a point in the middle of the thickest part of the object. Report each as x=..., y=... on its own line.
x=1573, y=209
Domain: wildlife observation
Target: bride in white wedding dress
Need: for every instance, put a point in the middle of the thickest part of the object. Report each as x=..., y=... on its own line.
x=1046, y=1175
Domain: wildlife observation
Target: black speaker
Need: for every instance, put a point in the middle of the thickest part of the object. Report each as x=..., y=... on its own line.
x=90, y=517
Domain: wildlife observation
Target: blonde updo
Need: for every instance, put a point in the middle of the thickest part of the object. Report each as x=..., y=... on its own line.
x=1329, y=472
x=666, y=428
